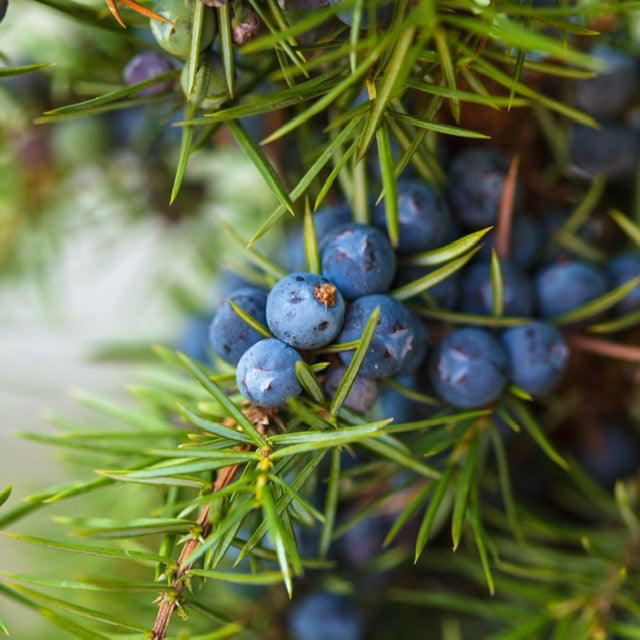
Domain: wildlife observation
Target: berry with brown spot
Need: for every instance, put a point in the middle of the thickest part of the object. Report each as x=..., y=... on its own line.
x=305, y=310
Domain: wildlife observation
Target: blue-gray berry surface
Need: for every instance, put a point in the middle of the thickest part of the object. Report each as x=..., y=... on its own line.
x=230, y=336
x=613, y=150
x=362, y=395
x=565, y=286
x=399, y=406
x=477, y=290
x=416, y=357
x=609, y=453
x=147, y=65
x=607, y=93
x=305, y=310
x=468, y=368
x=538, y=356
x=526, y=239
x=383, y=16
x=621, y=268
x=324, y=221
x=324, y=616
x=423, y=217
x=445, y=293
x=359, y=259
x=476, y=178
x=193, y=339
x=393, y=339
x=266, y=373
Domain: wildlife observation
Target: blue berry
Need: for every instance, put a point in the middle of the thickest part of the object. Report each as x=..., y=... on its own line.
x=306, y=5
x=525, y=241
x=400, y=407
x=538, y=356
x=323, y=616
x=565, y=286
x=622, y=268
x=477, y=290
x=305, y=310
x=393, y=339
x=229, y=282
x=476, y=177
x=147, y=65
x=423, y=217
x=324, y=221
x=606, y=94
x=266, y=373
x=608, y=454
x=4, y=4
x=557, y=245
x=383, y=14
x=468, y=368
x=364, y=539
x=359, y=259
x=415, y=358
x=361, y=396
x=445, y=293
x=613, y=151
x=194, y=339
x=230, y=336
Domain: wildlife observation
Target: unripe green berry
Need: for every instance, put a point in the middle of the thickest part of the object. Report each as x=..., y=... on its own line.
x=210, y=87
x=175, y=36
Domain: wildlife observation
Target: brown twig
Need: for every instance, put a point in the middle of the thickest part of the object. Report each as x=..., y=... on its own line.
x=607, y=348
x=505, y=211
x=169, y=603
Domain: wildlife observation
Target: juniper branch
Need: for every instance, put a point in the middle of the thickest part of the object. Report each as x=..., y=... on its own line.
x=170, y=600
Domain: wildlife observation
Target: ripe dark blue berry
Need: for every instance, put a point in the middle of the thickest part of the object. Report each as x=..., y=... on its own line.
x=383, y=14
x=445, y=293
x=324, y=221
x=612, y=150
x=266, y=373
x=525, y=241
x=193, y=339
x=415, y=358
x=468, y=368
x=229, y=335
x=423, y=216
x=476, y=177
x=361, y=396
x=147, y=65
x=400, y=407
x=606, y=94
x=359, y=259
x=608, y=453
x=477, y=290
x=565, y=286
x=364, y=539
x=305, y=310
x=538, y=356
x=622, y=268
x=4, y=4
x=306, y=5
x=324, y=616
x=393, y=339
